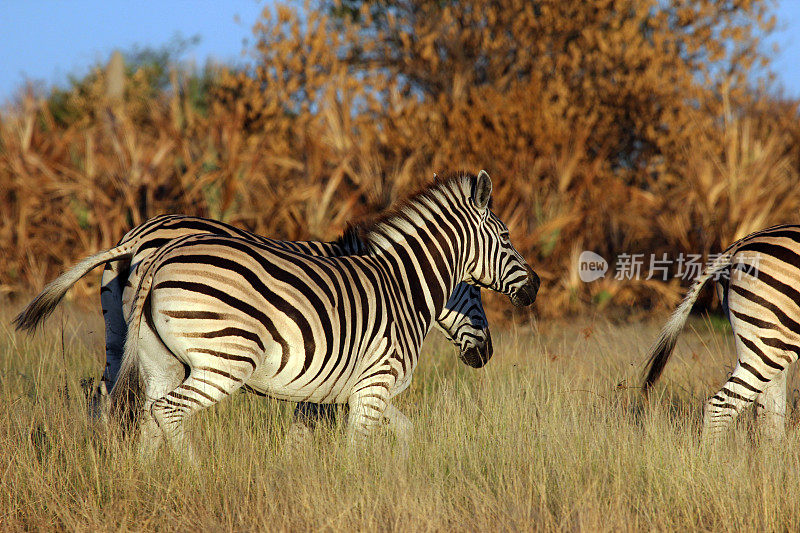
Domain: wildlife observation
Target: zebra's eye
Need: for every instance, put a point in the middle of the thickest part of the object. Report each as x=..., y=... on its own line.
x=504, y=237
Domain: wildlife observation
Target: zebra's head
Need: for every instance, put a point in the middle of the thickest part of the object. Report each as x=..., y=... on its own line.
x=495, y=263
x=464, y=323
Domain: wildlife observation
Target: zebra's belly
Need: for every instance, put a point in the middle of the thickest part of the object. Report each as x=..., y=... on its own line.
x=322, y=389
x=329, y=378
x=280, y=371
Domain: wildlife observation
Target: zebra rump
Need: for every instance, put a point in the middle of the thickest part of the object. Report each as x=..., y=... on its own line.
x=757, y=279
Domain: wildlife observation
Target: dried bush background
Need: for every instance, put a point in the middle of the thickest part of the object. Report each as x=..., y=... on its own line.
x=613, y=125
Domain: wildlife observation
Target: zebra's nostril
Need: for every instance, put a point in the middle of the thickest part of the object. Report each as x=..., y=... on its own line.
x=477, y=356
x=526, y=294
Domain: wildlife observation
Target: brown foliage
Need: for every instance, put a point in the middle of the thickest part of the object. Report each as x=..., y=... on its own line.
x=613, y=125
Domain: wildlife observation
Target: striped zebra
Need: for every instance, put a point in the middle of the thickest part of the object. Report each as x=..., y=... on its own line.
x=213, y=314
x=462, y=320
x=758, y=283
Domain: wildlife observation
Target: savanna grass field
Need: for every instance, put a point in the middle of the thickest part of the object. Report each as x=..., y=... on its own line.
x=621, y=127
x=551, y=435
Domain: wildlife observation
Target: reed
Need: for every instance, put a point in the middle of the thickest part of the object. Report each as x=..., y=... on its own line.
x=631, y=128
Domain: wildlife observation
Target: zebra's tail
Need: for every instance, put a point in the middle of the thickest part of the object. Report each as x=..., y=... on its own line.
x=46, y=301
x=662, y=349
x=128, y=393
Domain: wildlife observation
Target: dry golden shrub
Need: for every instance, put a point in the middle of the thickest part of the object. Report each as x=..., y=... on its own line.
x=617, y=126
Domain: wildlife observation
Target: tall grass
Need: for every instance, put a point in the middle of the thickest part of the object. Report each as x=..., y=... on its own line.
x=549, y=436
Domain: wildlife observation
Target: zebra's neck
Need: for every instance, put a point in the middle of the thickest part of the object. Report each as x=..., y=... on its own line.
x=422, y=244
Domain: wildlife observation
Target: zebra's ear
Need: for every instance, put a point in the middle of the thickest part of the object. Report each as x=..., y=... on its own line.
x=483, y=190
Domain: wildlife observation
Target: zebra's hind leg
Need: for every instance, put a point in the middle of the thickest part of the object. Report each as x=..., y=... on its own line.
x=111, y=295
x=100, y=403
x=203, y=388
x=758, y=364
x=305, y=418
x=771, y=408
x=162, y=372
x=116, y=330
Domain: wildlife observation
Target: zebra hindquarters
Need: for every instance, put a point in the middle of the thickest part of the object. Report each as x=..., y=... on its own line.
x=765, y=347
x=202, y=342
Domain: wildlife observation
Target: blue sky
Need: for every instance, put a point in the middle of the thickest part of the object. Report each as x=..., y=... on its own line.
x=46, y=40
x=787, y=36
x=49, y=39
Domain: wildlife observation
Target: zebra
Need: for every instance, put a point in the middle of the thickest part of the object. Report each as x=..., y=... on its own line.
x=758, y=284
x=212, y=314
x=463, y=320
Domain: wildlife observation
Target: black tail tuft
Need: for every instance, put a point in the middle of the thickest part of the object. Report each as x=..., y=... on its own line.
x=659, y=356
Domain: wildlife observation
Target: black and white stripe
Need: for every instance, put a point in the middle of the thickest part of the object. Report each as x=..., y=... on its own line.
x=295, y=326
x=462, y=320
x=759, y=287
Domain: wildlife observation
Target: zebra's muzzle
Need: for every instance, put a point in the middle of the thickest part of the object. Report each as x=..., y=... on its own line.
x=477, y=356
x=526, y=294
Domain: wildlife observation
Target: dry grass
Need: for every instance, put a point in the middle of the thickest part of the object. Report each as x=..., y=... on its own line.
x=547, y=437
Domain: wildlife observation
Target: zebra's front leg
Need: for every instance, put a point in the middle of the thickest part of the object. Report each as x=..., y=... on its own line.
x=401, y=426
x=367, y=406
x=771, y=408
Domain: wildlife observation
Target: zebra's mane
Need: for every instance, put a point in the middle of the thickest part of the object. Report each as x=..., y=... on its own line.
x=365, y=230
x=352, y=238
